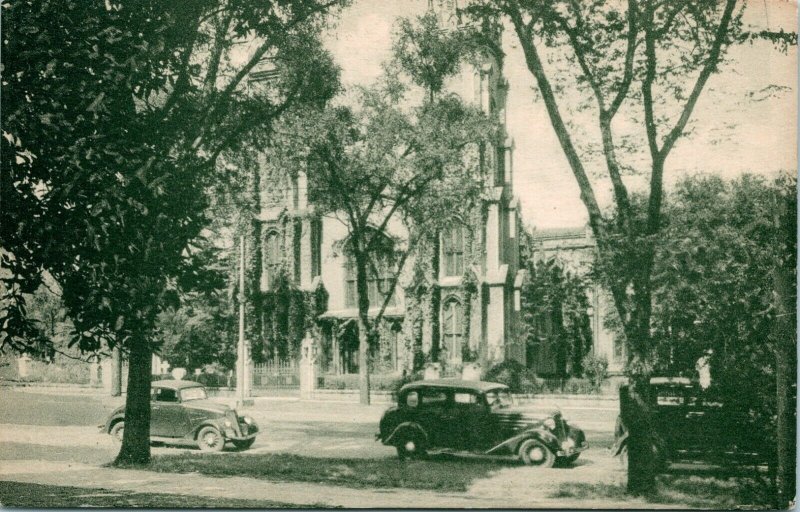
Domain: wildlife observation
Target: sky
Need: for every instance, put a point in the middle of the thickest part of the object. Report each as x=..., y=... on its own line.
x=745, y=120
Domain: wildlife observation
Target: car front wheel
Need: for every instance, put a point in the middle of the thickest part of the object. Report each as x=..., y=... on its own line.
x=210, y=440
x=533, y=452
x=244, y=445
x=117, y=431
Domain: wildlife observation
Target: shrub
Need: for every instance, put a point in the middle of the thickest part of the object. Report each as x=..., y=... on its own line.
x=595, y=369
x=378, y=382
x=210, y=380
x=63, y=372
x=515, y=375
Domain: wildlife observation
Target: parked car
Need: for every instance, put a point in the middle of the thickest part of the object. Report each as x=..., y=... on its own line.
x=696, y=424
x=477, y=417
x=180, y=413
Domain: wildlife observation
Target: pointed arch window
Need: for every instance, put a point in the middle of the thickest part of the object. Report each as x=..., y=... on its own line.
x=453, y=329
x=379, y=281
x=272, y=255
x=453, y=250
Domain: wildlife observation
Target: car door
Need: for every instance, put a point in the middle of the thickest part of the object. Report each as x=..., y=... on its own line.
x=168, y=418
x=471, y=418
x=437, y=417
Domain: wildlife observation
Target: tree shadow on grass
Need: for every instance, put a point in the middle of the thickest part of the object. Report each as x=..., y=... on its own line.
x=705, y=488
x=440, y=472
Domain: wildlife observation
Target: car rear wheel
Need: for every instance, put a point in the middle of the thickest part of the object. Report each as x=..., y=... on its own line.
x=533, y=452
x=244, y=445
x=210, y=440
x=117, y=431
x=411, y=445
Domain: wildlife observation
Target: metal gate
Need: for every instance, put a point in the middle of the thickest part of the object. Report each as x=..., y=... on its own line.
x=277, y=375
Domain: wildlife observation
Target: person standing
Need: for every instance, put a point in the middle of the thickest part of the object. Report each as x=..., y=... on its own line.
x=703, y=367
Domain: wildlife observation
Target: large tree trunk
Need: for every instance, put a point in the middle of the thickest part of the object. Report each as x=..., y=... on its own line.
x=136, y=439
x=636, y=408
x=363, y=328
x=638, y=419
x=785, y=340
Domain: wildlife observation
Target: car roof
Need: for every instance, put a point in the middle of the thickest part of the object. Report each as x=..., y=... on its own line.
x=175, y=384
x=474, y=385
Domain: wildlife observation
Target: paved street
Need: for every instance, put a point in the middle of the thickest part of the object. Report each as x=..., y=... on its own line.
x=52, y=439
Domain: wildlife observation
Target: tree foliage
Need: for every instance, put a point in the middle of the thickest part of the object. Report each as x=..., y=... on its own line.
x=713, y=283
x=114, y=115
x=644, y=61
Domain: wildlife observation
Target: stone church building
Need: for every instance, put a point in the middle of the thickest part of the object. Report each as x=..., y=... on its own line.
x=457, y=301
x=463, y=308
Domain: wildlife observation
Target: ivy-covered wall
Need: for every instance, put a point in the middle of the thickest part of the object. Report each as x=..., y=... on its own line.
x=286, y=313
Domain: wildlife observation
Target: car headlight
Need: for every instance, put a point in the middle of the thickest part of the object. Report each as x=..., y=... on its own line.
x=228, y=423
x=247, y=419
x=550, y=423
x=568, y=444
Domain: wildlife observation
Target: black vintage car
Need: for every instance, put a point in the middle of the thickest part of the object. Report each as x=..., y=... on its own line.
x=180, y=413
x=693, y=424
x=478, y=417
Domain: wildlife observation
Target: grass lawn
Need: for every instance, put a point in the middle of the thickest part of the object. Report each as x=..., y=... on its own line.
x=693, y=491
x=24, y=495
x=439, y=472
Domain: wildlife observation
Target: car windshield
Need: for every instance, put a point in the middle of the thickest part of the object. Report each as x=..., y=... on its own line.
x=197, y=393
x=499, y=398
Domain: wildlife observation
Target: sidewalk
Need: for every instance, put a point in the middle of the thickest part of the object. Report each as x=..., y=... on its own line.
x=495, y=492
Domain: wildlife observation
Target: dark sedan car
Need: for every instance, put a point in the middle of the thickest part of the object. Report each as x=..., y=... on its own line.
x=693, y=424
x=477, y=417
x=180, y=413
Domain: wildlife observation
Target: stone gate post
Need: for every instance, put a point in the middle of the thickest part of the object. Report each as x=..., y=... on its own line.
x=308, y=367
x=23, y=366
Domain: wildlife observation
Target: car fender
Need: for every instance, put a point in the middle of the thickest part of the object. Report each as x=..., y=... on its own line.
x=407, y=425
x=111, y=421
x=208, y=423
x=544, y=436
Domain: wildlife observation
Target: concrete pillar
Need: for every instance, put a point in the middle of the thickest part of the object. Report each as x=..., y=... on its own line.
x=248, y=370
x=496, y=326
x=23, y=367
x=471, y=371
x=432, y=371
x=94, y=370
x=308, y=367
x=116, y=372
x=105, y=366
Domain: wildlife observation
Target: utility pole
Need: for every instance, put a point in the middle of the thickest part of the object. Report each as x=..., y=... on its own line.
x=242, y=375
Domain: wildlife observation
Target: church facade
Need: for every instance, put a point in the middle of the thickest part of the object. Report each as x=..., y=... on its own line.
x=456, y=299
